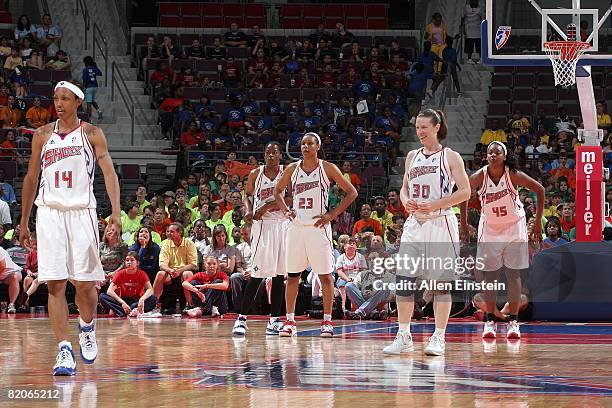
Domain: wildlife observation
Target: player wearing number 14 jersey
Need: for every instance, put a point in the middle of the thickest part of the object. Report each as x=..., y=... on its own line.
x=502, y=230
x=64, y=154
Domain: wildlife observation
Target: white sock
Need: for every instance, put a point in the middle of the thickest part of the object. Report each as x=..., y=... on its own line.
x=327, y=317
x=242, y=317
x=404, y=327
x=290, y=316
x=65, y=343
x=83, y=324
x=439, y=332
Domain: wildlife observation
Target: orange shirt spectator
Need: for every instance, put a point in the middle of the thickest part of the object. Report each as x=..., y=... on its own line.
x=351, y=176
x=37, y=116
x=366, y=221
x=10, y=114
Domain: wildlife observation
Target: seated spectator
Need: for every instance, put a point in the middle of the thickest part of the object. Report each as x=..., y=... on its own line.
x=48, y=34
x=542, y=122
x=209, y=288
x=553, y=209
x=256, y=39
x=305, y=53
x=553, y=234
x=196, y=51
x=162, y=71
x=234, y=37
x=61, y=62
x=178, y=259
x=276, y=50
x=363, y=293
x=217, y=50
x=14, y=60
x=304, y=80
x=8, y=148
x=10, y=275
x=37, y=116
x=24, y=29
x=231, y=73
x=30, y=281
x=239, y=279
x=161, y=222
x=130, y=293
x=5, y=47
x=350, y=175
x=519, y=121
x=494, y=134
x=603, y=118
x=342, y=38
x=149, y=51
x=170, y=51
x=8, y=194
x=567, y=220
x=381, y=214
x=564, y=124
x=19, y=83
x=366, y=221
x=194, y=137
x=348, y=265
x=365, y=87
x=219, y=248
x=395, y=205
x=130, y=219
x=397, y=50
x=325, y=50
x=112, y=253
x=25, y=50
x=147, y=249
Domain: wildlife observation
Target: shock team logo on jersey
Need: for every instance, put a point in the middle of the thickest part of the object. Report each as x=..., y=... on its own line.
x=422, y=171
x=492, y=197
x=57, y=154
x=302, y=187
x=266, y=193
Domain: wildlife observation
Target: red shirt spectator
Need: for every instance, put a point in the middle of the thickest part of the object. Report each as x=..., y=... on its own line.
x=130, y=285
x=161, y=73
x=231, y=71
x=203, y=278
x=170, y=104
x=327, y=80
x=192, y=136
x=32, y=261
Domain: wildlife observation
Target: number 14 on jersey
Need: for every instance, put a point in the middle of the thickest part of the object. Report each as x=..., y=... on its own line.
x=63, y=177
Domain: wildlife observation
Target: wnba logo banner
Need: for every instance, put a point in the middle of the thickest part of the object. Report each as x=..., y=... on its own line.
x=502, y=36
x=589, y=195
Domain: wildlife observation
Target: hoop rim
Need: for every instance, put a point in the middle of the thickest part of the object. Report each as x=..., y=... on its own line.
x=554, y=45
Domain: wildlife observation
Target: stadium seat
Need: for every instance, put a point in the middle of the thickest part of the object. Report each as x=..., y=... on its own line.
x=5, y=17
x=169, y=21
x=254, y=20
x=527, y=108
x=376, y=11
x=377, y=23
x=37, y=75
x=356, y=11
x=355, y=24
x=550, y=109
x=545, y=80
x=57, y=76
x=524, y=80
x=500, y=95
x=501, y=81
x=570, y=94
x=212, y=9
x=546, y=94
x=177, y=64
x=287, y=94
x=217, y=95
x=291, y=10
x=187, y=39
x=10, y=169
x=192, y=93
x=260, y=94
x=312, y=22
x=191, y=9
x=498, y=109
x=523, y=94
x=233, y=10
x=334, y=11
x=171, y=8
x=191, y=21
x=212, y=21
x=207, y=65
x=129, y=171
x=312, y=10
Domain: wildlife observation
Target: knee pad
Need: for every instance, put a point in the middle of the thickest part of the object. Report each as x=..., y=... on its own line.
x=408, y=286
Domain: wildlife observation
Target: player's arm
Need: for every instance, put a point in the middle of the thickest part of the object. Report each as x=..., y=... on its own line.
x=455, y=162
x=521, y=179
x=409, y=205
x=475, y=181
x=100, y=146
x=249, y=190
x=334, y=174
x=30, y=181
x=281, y=186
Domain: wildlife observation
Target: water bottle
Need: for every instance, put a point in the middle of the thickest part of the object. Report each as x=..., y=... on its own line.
x=177, y=309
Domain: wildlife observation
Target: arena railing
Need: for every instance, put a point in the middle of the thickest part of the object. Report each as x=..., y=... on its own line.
x=122, y=88
x=85, y=14
x=100, y=43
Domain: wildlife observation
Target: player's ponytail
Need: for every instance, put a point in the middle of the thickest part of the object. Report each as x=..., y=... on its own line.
x=511, y=161
x=437, y=117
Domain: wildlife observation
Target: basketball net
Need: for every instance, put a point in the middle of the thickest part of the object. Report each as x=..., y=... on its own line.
x=564, y=56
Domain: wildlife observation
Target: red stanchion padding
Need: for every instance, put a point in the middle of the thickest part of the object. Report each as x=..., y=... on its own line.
x=589, y=194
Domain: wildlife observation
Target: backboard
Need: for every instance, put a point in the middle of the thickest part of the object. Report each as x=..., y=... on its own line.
x=514, y=31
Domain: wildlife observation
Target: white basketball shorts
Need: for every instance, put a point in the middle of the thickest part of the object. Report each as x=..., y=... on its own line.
x=309, y=246
x=268, y=243
x=68, y=245
x=503, y=245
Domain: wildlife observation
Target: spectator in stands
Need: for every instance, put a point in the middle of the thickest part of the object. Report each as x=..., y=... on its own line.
x=13, y=61
x=365, y=87
x=348, y=265
x=564, y=124
x=209, y=288
x=342, y=38
x=37, y=116
x=162, y=71
x=61, y=62
x=381, y=214
x=36, y=60
x=231, y=73
x=49, y=35
x=519, y=121
x=194, y=137
x=5, y=47
x=216, y=216
x=567, y=220
x=366, y=221
x=318, y=34
x=19, y=83
x=170, y=51
x=276, y=50
x=10, y=275
x=386, y=125
x=363, y=294
x=217, y=50
x=553, y=234
x=112, y=253
x=25, y=49
x=130, y=219
x=542, y=122
x=305, y=53
x=323, y=50
x=24, y=29
x=8, y=194
x=259, y=62
x=603, y=118
x=149, y=51
x=436, y=34
x=219, y=248
x=472, y=17
x=395, y=205
x=161, y=221
x=147, y=251
x=239, y=279
x=256, y=39
x=493, y=134
x=8, y=148
x=91, y=72
x=130, y=293
x=196, y=51
x=234, y=37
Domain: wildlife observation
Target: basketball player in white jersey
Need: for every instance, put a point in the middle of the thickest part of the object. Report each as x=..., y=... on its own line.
x=309, y=235
x=502, y=231
x=267, y=239
x=431, y=231
x=65, y=153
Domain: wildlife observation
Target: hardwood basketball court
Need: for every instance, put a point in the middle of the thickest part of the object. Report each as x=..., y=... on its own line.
x=197, y=362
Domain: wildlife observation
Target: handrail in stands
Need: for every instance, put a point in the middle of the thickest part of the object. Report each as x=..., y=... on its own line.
x=122, y=88
x=97, y=37
x=85, y=14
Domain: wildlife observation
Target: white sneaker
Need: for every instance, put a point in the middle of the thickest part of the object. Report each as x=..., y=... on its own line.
x=155, y=313
x=65, y=364
x=436, y=346
x=214, y=312
x=240, y=327
x=489, y=330
x=513, y=331
x=401, y=344
x=195, y=312
x=274, y=327
x=87, y=341
x=134, y=313
x=289, y=329
x=11, y=309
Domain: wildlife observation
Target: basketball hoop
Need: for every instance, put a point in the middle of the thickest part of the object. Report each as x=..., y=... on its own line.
x=564, y=55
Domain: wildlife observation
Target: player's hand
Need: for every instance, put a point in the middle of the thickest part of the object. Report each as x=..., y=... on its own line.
x=115, y=221
x=260, y=212
x=126, y=308
x=427, y=207
x=248, y=217
x=411, y=205
x=536, y=234
x=323, y=219
x=289, y=213
x=24, y=237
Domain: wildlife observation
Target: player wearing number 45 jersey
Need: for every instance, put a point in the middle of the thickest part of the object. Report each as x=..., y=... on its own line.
x=309, y=236
x=502, y=231
x=64, y=154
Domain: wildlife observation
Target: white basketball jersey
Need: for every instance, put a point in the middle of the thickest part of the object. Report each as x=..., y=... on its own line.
x=430, y=178
x=310, y=193
x=264, y=193
x=500, y=202
x=67, y=170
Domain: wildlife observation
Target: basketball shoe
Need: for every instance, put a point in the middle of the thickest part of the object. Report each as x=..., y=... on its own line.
x=65, y=364
x=513, y=331
x=436, y=346
x=274, y=327
x=240, y=327
x=401, y=344
x=289, y=329
x=87, y=341
x=194, y=312
x=327, y=328
x=489, y=330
